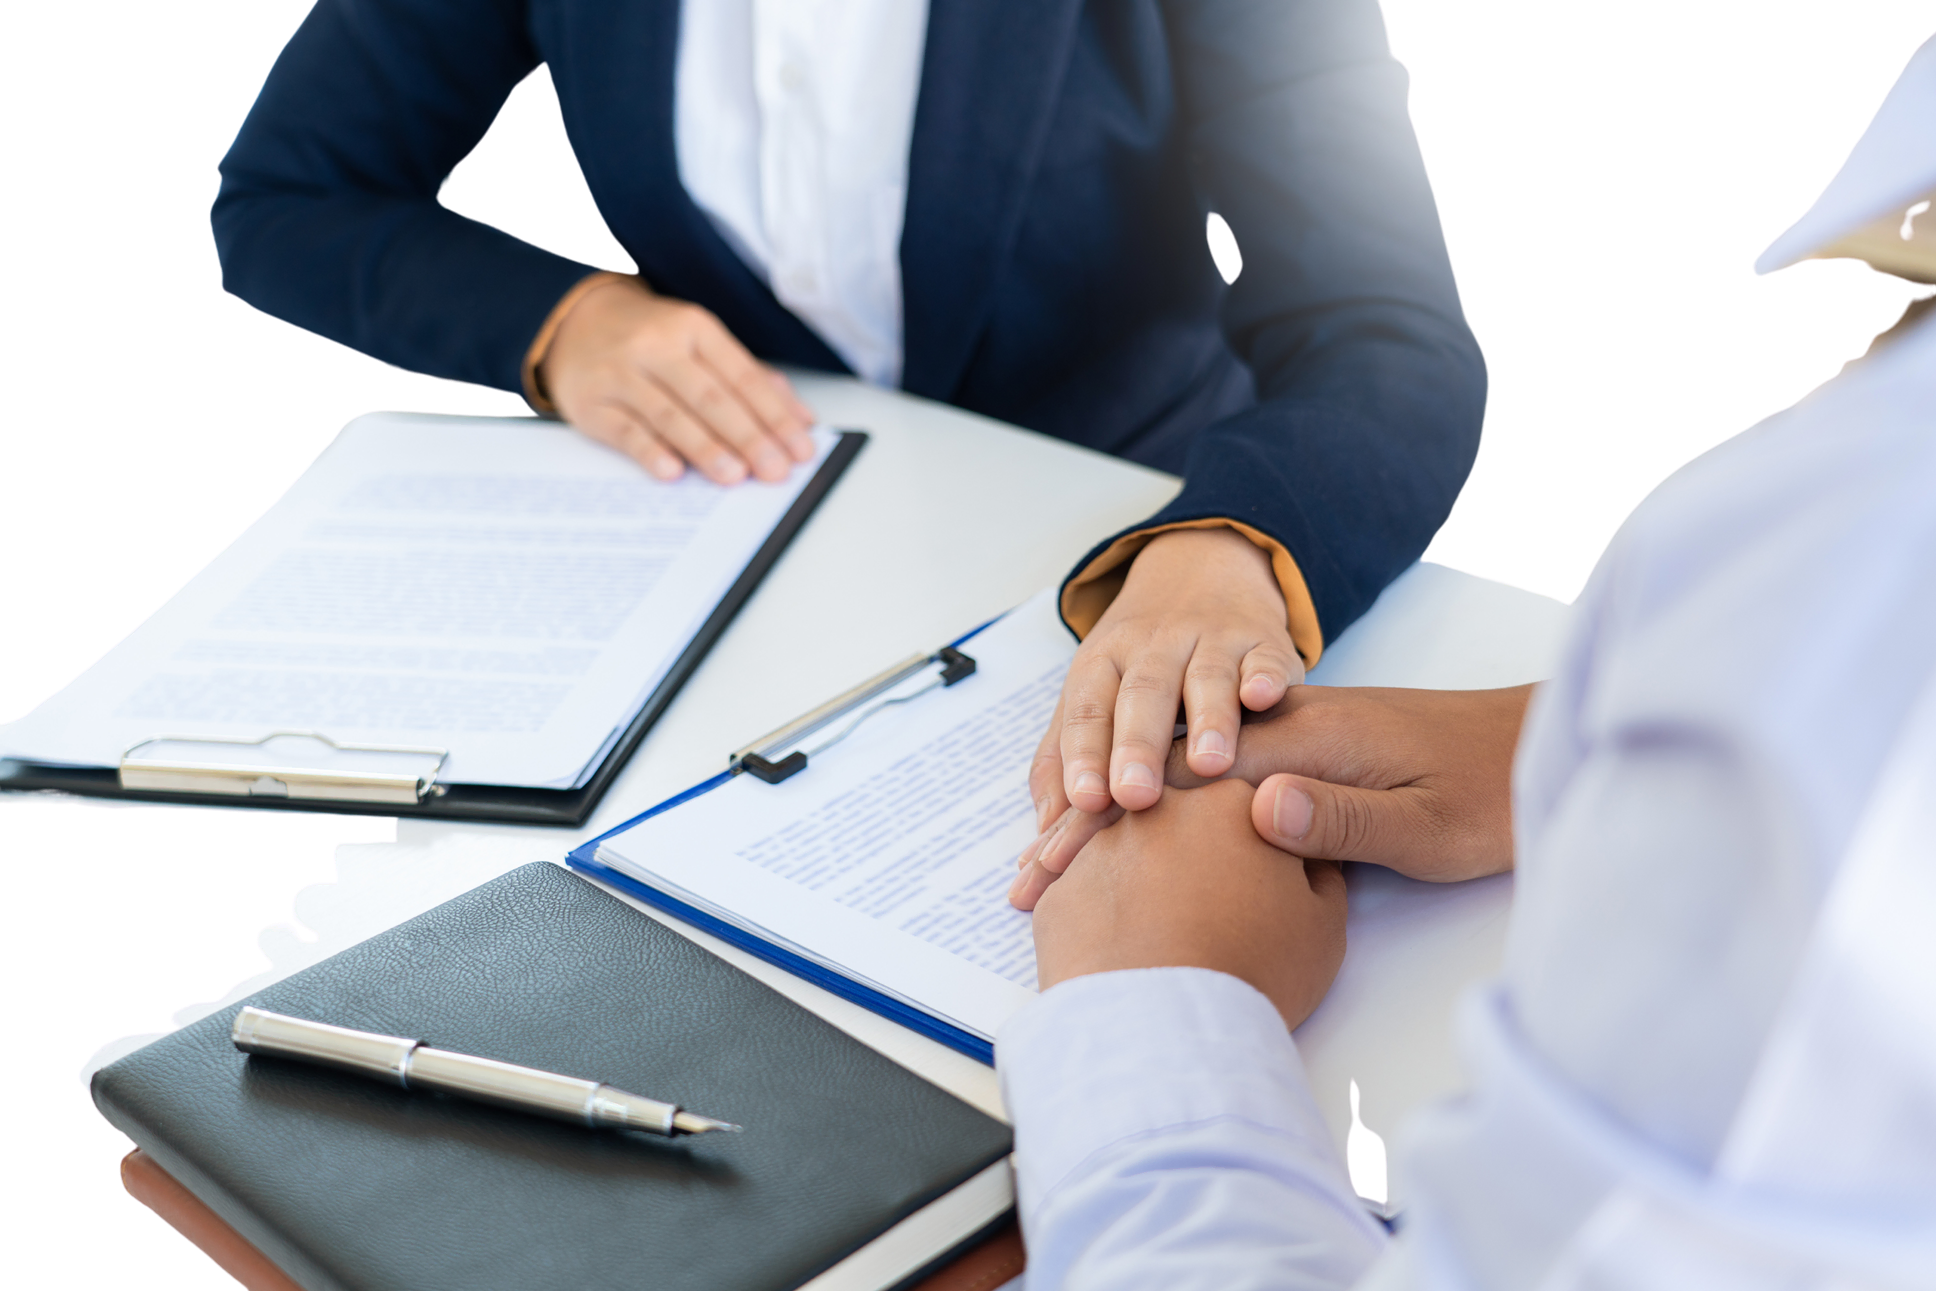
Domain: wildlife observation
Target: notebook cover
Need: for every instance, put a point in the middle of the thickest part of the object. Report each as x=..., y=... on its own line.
x=345, y=1183
x=156, y=1189
x=985, y=1265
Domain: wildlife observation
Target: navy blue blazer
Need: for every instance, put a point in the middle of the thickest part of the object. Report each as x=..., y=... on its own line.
x=1054, y=268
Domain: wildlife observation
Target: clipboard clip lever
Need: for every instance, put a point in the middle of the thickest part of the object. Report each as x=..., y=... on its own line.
x=857, y=705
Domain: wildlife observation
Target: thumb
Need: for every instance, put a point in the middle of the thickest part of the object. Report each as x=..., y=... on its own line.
x=1334, y=822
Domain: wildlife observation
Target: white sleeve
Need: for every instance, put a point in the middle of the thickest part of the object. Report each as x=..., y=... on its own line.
x=1166, y=1138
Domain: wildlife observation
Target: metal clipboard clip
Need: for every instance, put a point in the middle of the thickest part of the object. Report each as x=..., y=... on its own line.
x=277, y=766
x=756, y=758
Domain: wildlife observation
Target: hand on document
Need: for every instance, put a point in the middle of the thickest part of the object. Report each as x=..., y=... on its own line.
x=1187, y=883
x=1419, y=781
x=665, y=383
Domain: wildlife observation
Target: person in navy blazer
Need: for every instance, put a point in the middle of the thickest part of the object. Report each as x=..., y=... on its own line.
x=1323, y=409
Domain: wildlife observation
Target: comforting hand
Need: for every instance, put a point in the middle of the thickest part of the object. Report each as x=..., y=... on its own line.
x=664, y=382
x=1419, y=781
x=1188, y=883
x=1199, y=619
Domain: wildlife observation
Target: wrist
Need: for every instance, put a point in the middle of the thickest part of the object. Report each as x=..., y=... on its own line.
x=1218, y=555
x=578, y=309
x=1222, y=548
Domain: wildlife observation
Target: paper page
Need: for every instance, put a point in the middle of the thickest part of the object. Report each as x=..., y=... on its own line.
x=507, y=590
x=891, y=855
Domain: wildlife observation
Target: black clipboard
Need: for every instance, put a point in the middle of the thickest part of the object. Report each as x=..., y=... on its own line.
x=496, y=804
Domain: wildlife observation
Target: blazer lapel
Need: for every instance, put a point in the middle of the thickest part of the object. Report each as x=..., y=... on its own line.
x=613, y=63
x=989, y=81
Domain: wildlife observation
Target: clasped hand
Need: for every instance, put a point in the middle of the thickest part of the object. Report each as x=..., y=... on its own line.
x=1419, y=781
x=1415, y=780
x=1411, y=779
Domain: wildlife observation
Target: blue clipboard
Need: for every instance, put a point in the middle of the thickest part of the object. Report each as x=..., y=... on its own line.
x=751, y=760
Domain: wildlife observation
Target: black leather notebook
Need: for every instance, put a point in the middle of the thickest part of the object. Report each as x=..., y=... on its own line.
x=851, y=1172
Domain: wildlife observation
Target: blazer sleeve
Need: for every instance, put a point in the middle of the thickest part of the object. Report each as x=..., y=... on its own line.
x=1370, y=386
x=328, y=214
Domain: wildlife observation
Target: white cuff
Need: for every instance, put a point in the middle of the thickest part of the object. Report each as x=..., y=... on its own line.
x=1100, y=1059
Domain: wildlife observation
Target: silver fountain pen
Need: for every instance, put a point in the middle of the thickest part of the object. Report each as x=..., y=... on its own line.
x=414, y=1065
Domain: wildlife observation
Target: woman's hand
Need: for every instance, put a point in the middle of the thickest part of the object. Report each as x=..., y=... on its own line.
x=665, y=383
x=1189, y=884
x=1200, y=619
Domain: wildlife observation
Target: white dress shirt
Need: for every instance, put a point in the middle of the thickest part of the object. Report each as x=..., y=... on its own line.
x=792, y=120
x=1710, y=1060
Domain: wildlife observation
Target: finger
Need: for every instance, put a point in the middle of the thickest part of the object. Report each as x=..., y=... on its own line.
x=1327, y=881
x=666, y=417
x=619, y=427
x=1146, y=723
x=766, y=395
x=1176, y=771
x=1045, y=775
x=1088, y=716
x=644, y=446
x=1041, y=840
x=1029, y=886
x=1210, y=708
x=1055, y=849
x=1317, y=820
x=1066, y=836
x=1049, y=856
x=713, y=404
x=801, y=442
x=1267, y=672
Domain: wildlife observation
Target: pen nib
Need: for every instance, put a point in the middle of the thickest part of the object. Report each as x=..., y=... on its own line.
x=693, y=1123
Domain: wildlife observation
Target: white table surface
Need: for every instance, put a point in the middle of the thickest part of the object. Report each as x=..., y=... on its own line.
x=128, y=920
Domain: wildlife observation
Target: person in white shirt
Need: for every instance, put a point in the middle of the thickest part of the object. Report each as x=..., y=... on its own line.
x=1710, y=1059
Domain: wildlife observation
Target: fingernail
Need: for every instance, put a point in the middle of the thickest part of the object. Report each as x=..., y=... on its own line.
x=1211, y=744
x=772, y=464
x=1015, y=888
x=1137, y=776
x=1090, y=782
x=730, y=470
x=1045, y=842
x=1291, y=813
x=1042, y=813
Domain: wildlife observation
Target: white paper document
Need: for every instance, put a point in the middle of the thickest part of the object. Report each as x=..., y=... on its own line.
x=504, y=589
x=889, y=858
